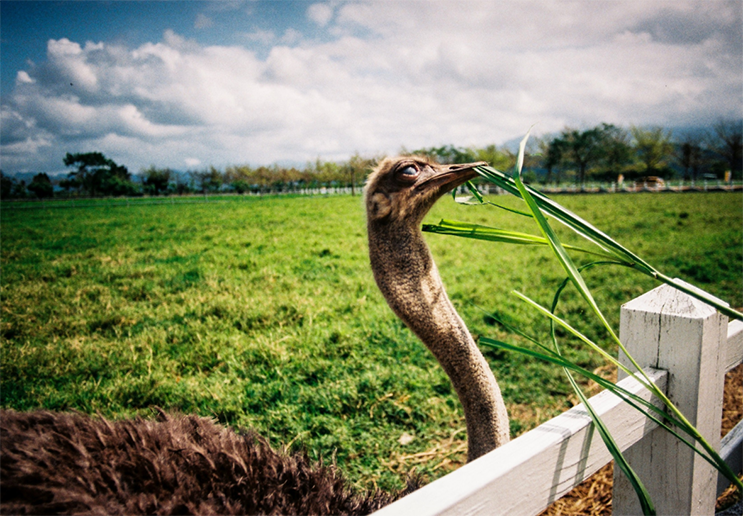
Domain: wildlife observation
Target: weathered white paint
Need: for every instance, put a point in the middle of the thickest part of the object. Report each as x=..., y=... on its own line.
x=670, y=330
x=526, y=475
x=734, y=349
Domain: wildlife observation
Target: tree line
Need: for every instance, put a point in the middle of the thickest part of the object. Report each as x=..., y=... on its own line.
x=606, y=151
x=601, y=153
x=97, y=176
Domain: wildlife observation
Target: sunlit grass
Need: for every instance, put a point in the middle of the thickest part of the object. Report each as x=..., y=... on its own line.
x=264, y=313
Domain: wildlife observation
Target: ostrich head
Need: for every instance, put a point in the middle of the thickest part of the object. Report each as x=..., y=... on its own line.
x=402, y=190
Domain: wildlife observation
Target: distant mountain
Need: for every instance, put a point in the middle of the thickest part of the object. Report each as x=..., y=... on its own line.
x=696, y=131
x=26, y=176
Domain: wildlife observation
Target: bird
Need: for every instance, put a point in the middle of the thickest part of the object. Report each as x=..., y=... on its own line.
x=398, y=194
x=69, y=462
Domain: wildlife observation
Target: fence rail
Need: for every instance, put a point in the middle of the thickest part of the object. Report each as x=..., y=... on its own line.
x=101, y=202
x=686, y=347
x=97, y=202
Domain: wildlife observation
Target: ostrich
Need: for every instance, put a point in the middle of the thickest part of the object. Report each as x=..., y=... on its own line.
x=70, y=463
x=399, y=193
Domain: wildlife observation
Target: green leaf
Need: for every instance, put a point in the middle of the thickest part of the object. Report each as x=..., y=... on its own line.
x=619, y=460
x=473, y=189
x=556, y=245
x=575, y=276
x=479, y=232
x=562, y=215
x=640, y=404
x=598, y=237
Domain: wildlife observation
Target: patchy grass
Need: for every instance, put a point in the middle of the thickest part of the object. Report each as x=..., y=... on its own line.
x=263, y=313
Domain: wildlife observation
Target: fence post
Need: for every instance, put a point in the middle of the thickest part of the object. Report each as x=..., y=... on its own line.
x=667, y=329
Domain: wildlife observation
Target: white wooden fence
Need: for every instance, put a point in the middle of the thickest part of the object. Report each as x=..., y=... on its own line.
x=686, y=347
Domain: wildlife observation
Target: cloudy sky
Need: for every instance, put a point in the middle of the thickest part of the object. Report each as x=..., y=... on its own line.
x=192, y=84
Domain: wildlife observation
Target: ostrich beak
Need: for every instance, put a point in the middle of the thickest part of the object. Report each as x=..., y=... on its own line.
x=463, y=166
x=447, y=177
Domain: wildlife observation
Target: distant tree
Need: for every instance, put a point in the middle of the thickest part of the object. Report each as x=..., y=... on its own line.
x=41, y=186
x=284, y=178
x=18, y=189
x=355, y=169
x=529, y=177
x=240, y=186
x=156, y=180
x=6, y=186
x=551, y=152
x=325, y=172
x=236, y=173
x=690, y=155
x=182, y=185
x=730, y=144
x=447, y=154
x=98, y=175
x=68, y=184
x=90, y=168
x=11, y=188
x=615, y=150
x=653, y=148
x=582, y=149
x=209, y=180
x=264, y=177
x=240, y=178
x=498, y=159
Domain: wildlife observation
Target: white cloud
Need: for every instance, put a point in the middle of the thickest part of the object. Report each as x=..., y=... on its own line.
x=399, y=74
x=70, y=61
x=23, y=77
x=261, y=36
x=321, y=14
x=203, y=22
x=220, y=6
x=291, y=36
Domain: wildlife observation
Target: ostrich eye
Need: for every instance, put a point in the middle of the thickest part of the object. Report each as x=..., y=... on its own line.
x=409, y=173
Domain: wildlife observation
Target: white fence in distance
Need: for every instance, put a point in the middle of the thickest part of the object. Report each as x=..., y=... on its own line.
x=686, y=347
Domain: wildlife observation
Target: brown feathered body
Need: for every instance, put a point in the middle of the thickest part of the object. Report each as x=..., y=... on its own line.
x=70, y=463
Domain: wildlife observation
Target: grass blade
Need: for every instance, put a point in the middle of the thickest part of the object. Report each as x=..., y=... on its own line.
x=562, y=214
x=474, y=191
x=646, y=407
x=479, y=232
x=598, y=237
x=642, y=494
x=567, y=264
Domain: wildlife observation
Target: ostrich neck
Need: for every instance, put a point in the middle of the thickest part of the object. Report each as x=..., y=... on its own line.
x=408, y=278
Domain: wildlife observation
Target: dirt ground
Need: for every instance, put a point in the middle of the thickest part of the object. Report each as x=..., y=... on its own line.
x=593, y=497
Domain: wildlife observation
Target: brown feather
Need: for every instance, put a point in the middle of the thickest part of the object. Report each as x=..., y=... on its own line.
x=70, y=463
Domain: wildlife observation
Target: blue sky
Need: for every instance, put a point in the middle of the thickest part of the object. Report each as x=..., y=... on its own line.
x=191, y=84
x=28, y=25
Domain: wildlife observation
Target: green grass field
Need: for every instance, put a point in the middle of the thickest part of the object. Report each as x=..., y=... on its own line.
x=263, y=313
